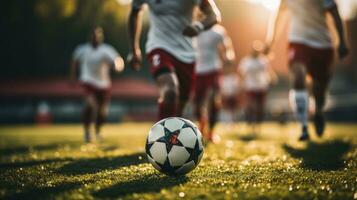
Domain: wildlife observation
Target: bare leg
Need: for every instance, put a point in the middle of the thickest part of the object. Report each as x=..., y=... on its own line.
x=88, y=116
x=214, y=107
x=102, y=113
x=200, y=113
x=168, y=90
x=319, y=90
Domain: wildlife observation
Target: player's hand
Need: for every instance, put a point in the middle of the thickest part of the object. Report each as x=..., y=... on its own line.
x=343, y=51
x=191, y=31
x=119, y=64
x=135, y=59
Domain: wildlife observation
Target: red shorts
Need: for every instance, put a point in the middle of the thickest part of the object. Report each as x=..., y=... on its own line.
x=318, y=62
x=206, y=82
x=163, y=62
x=102, y=95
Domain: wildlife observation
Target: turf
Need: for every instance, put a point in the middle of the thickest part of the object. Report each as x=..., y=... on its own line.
x=51, y=162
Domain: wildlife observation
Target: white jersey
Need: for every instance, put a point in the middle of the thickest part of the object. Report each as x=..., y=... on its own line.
x=208, y=55
x=230, y=85
x=308, y=22
x=94, y=63
x=255, y=73
x=168, y=19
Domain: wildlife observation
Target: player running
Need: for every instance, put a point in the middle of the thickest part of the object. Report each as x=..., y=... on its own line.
x=94, y=60
x=214, y=49
x=169, y=46
x=310, y=53
x=256, y=75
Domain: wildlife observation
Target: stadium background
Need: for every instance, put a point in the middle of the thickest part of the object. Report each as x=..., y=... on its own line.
x=38, y=38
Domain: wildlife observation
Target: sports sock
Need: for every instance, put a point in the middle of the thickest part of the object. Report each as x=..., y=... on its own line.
x=299, y=101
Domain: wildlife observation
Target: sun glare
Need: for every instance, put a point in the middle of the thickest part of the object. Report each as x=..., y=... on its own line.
x=269, y=4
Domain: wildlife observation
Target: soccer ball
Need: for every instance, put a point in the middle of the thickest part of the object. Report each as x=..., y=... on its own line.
x=174, y=146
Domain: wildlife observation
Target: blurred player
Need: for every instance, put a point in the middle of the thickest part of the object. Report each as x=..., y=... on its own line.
x=256, y=75
x=214, y=49
x=169, y=46
x=94, y=60
x=310, y=53
x=231, y=91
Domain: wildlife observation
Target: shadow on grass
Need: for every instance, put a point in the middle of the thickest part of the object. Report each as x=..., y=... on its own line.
x=321, y=156
x=248, y=137
x=46, y=147
x=94, y=165
x=47, y=192
x=32, y=163
x=143, y=184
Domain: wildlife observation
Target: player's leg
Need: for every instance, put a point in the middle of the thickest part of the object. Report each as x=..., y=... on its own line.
x=186, y=82
x=299, y=97
x=261, y=100
x=168, y=94
x=249, y=109
x=321, y=73
x=214, y=105
x=163, y=71
x=103, y=101
x=199, y=100
x=319, y=90
x=89, y=111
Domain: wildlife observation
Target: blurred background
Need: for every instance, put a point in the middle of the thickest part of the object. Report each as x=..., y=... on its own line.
x=38, y=38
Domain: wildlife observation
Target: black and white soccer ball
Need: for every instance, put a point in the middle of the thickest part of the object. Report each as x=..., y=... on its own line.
x=174, y=146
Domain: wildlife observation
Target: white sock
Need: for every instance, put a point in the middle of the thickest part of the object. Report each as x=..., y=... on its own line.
x=299, y=101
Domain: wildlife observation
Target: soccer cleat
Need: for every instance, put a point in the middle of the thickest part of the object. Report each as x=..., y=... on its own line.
x=305, y=134
x=319, y=123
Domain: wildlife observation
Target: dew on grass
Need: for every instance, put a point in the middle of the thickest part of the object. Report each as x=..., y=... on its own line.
x=181, y=194
x=284, y=157
x=229, y=144
x=290, y=188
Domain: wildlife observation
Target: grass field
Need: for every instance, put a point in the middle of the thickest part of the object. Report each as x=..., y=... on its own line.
x=51, y=162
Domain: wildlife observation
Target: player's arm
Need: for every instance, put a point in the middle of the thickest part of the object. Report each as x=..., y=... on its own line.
x=272, y=74
x=240, y=73
x=342, y=48
x=274, y=23
x=226, y=50
x=212, y=17
x=134, y=26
